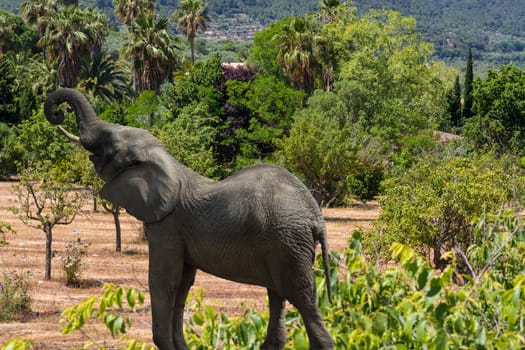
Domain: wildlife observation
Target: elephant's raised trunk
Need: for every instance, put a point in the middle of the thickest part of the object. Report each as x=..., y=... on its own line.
x=87, y=120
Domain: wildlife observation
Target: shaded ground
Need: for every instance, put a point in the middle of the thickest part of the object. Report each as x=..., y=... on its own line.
x=25, y=253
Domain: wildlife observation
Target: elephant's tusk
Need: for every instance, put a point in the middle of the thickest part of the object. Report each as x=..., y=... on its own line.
x=70, y=136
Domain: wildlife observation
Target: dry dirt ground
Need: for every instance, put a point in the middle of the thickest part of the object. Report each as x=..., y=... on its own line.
x=25, y=253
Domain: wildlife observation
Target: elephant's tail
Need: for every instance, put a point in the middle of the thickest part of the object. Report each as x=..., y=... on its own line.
x=326, y=261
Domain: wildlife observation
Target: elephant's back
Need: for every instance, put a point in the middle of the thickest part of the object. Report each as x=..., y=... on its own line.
x=273, y=201
x=270, y=186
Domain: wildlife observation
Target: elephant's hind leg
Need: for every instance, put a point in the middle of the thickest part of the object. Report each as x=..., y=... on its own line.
x=188, y=277
x=276, y=333
x=305, y=301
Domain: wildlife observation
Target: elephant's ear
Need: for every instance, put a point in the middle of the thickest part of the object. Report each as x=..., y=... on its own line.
x=145, y=189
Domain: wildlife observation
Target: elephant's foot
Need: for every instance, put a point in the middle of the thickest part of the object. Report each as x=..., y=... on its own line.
x=273, y=344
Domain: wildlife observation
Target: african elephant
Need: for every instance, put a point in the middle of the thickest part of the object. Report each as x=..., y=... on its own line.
x=259, y=226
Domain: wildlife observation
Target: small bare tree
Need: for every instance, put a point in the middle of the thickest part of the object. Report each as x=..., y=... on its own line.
x=45, y=198
x=115, y=211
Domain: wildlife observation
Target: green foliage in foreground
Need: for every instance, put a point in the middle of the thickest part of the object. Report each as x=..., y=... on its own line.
x=409, y=306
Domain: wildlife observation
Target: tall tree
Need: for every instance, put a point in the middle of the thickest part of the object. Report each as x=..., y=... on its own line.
x=34, y=10
x=328, y=9
x=71, y=35
x=128, y=11
x=192, y=17
x=454, y=104
x=102, y=77
x=6, y=33
x=499, y=100
x=468, y=89
x=151, y=50
x=295, y=51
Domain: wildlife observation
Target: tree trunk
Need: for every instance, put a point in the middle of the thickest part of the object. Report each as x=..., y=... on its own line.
x=49, y=240
x=116, y=218
x=192, y=48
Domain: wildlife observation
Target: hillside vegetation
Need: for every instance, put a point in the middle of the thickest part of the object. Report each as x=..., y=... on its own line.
x=496, y=30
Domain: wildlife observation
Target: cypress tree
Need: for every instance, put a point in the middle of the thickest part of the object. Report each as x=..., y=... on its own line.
x=454, y=104
x=467, y=93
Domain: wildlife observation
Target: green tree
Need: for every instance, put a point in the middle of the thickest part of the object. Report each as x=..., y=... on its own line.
x=269, y=105
x=327, y=148
x=328, y=9
x=454, y=104
x=6, y=139
x=104, y=78
x=127, y=11
x=468, y=88
x=71, y=35
x=499, y=100
x=192, y=18
x=25, y=81
x=402, y=92
x=151, y=50
x=35, y=12
x=302, y=52
x=37, y=140
x=144, y=111
x=191, y=137
x=200, y=84
x=264, y=50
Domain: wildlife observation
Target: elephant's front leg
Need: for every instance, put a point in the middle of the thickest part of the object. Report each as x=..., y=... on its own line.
x=188, y=277
x=165, y=274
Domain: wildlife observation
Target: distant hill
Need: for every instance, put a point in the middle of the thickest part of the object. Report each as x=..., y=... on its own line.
x=495, y=29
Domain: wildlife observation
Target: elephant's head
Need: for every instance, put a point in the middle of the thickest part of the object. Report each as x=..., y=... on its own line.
x=139, y=174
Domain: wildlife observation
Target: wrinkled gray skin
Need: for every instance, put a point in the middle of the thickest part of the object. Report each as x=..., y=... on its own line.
x=259, y=226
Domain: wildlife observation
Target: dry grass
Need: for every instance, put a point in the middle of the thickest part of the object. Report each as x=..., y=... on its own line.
x=25, y=252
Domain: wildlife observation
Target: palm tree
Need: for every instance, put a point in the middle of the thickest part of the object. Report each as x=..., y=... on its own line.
x=328, y=9
x=306, y=55
x=192, y=17
x=34, y=10
x=6, y=33
x=102, y=77
x=295, y=51
x=128, y=11
x=152, y=52
x=70, y=36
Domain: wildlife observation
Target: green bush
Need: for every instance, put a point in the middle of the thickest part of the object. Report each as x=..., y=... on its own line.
x=15, y=295
x=17, y=344
x=434, y=206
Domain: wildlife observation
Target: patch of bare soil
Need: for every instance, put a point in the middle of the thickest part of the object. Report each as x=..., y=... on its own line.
x=26, y=249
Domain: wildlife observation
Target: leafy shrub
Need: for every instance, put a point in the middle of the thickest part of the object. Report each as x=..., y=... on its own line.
x=433, y=207
x=4, y=228
x=17, y=344
x=72, y=261
x=411, y=306
x=100, y=308
x=14, y=295
x=207, y=329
